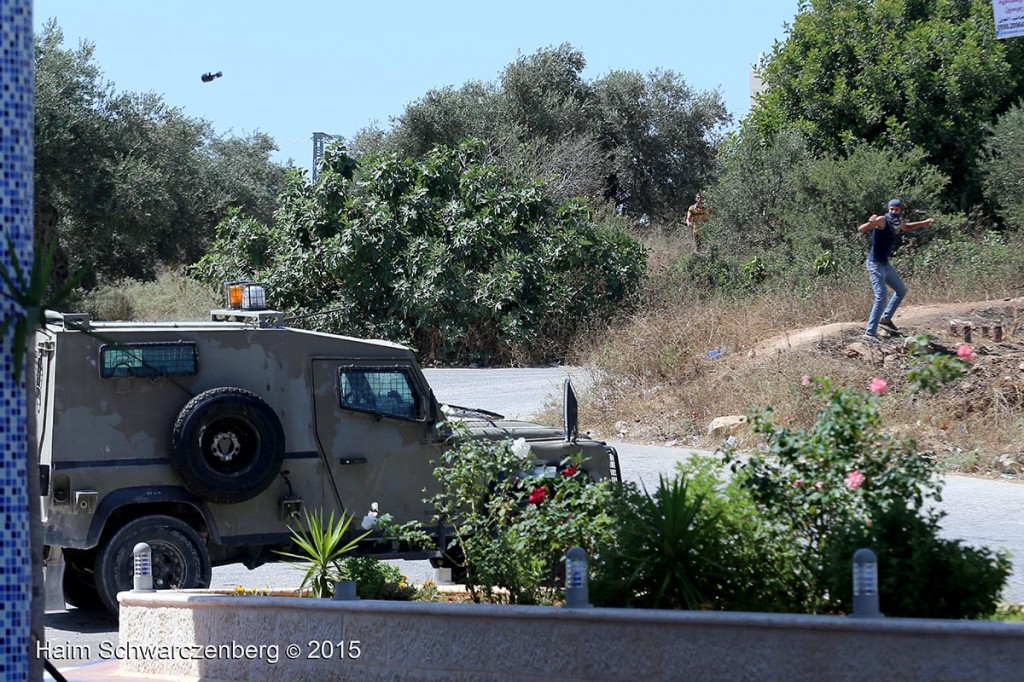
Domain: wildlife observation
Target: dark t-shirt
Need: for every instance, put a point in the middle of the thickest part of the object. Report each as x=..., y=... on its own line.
x=883, y=239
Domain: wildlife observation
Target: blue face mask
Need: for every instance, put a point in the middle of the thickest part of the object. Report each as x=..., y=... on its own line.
x=895, y=219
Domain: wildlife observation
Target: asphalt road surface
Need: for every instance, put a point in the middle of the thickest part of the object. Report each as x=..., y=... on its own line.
x=981, y=512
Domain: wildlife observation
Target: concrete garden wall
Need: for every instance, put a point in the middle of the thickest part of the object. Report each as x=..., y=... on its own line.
x=288, y=639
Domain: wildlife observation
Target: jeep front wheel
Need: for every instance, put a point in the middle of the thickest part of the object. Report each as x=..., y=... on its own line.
x=179, y=557
x=228, y=445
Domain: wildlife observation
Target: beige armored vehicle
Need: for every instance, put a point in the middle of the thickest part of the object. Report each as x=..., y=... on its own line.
x=205, y=439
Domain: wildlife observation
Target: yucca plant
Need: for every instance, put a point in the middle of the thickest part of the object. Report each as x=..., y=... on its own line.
x=322, y=544
x=666, y=551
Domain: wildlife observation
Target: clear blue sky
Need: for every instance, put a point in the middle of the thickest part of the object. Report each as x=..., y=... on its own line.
x=292, y=68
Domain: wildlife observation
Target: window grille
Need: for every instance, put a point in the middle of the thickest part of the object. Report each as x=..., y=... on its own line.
x=149, y=360
x=387, y=392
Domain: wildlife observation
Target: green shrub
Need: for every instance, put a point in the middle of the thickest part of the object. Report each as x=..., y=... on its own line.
x=930, y=371
x=1002, y=164
x=662, y=554
x=514, y=520
x=827, y=485
x=920, y=575
x=447, y=253
x=376, y=579
x=989, y=264
x=690, y=545
x=765, y=566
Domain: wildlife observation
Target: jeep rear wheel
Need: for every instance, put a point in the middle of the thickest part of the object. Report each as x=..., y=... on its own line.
x=179, y=557
x=228, y=445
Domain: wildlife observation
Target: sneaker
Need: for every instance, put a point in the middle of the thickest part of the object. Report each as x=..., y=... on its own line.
x=887, y=323
x=871, y=339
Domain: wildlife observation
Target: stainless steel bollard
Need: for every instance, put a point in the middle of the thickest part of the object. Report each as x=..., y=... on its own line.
x=143, y=568
x=865, y=585
x=577, y=589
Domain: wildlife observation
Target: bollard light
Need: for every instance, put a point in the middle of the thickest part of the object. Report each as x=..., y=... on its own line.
x=143, y=568
x=345, y=590
x=577, y=590
x=865, y=584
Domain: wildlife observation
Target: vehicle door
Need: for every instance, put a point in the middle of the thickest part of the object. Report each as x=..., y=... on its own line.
x=374, y=427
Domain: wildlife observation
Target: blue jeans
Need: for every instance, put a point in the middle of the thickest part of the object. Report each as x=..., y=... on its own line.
x=883, y=274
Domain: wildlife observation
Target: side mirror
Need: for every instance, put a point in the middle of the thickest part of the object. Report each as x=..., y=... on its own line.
x=570, y=412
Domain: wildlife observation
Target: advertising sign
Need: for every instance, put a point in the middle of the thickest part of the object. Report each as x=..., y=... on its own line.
x=1009, y=17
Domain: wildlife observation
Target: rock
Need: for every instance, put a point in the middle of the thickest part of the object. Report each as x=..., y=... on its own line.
x=721, y=426
x=1010, y=463
x=863, y=350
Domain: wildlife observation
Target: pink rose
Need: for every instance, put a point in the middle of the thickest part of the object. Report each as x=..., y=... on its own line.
x=798, y=483
x=879, y=386
x=964, y=352
x=854, y=479
x=819, y=486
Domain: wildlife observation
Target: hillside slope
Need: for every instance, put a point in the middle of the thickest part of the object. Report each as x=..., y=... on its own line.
x=972, y=425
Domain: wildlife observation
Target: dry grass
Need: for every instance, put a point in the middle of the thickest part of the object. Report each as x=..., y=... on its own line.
x=660, y=386
x=171, y=297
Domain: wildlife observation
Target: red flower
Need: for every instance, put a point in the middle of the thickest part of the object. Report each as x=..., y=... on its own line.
x=538, y=495
x=569, y=471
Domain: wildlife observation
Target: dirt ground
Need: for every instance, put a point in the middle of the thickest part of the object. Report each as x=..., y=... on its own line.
x=943, y=321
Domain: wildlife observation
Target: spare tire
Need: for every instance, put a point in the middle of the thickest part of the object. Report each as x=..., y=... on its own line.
x=227, y=445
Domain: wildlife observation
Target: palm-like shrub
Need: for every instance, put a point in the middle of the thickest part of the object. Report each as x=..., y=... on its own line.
x=322, y=544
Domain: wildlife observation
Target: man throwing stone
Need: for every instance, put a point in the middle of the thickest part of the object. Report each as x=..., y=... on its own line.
x=883, y=230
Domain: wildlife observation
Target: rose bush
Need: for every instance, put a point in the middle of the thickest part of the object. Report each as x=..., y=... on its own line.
x=515, y=519
x=865, y=484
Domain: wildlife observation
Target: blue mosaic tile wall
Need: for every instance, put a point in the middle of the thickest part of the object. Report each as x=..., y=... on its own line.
x=16, y=163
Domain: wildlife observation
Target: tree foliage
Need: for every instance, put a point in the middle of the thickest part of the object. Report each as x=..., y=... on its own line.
x=644, y=143
x=124, y=182
x=790, y=208
x=894, y=73
x=447, y=253
x=1003, y=166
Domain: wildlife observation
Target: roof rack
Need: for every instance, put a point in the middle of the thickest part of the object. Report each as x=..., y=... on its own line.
x=70, y=321
x=261, y=318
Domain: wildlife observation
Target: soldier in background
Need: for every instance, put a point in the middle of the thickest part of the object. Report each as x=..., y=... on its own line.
x=696, y=216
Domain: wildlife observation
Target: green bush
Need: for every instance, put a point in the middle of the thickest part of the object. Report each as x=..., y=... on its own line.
x=447, y=253
x=990, y=263
x=376, y=579
x=1002, y=164
x=695, y=543
x=842, y=483
x=514, y=520
x=920, y=575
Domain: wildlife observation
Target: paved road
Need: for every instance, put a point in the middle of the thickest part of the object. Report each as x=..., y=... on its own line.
x=982, y=512
x=514, y=393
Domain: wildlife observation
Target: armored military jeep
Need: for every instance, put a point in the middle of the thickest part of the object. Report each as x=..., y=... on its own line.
x=206, y=439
